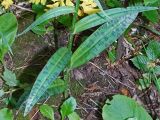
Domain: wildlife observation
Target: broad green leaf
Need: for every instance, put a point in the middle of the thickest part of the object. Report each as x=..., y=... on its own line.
x=152, y=50
x=39, y=29
x=99, y=18
x=66, y=20
x=151, y=2
x=10, y=78
x=140, y=62
x=49, y=73
x=114, y=3
x=22, y=100
x=68, y=107
x=124, y=108
x=6, y=114
x=42, y=28
x=57, y=87
x=47, y=111
x=38, y=8
x=8, y=30
x=153, y=16
x=74, y=116
x=48, y=15
x=102, y=38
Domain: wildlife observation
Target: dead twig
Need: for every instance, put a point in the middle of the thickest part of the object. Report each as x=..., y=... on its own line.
x=111, y=76
x=23, y=8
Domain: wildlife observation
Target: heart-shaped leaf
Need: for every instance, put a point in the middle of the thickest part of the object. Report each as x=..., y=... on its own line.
x=6, y=114
x=10, y=78
x=124, y=108
x=47, y=111
x=68, y=107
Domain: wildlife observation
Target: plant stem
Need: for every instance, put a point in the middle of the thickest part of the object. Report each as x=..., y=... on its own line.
x=67, y=72
x=67, y=81
x=71, y=38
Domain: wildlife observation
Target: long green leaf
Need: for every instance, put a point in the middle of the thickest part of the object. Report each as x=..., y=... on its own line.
x=101, y=39
x=8, y=31
x=48, y=15
x=100, y=18
x=49, y=73
x=58, y=86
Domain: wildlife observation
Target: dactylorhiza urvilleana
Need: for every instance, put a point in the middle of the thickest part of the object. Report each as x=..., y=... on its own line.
x=6, y=3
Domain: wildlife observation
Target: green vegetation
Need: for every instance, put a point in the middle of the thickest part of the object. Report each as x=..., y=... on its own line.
x=147, y=62
x=108, y=20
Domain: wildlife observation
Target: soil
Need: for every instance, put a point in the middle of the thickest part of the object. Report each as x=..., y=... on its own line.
x=92, y=84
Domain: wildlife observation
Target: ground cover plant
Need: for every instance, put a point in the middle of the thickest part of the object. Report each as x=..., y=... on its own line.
x=79, y=59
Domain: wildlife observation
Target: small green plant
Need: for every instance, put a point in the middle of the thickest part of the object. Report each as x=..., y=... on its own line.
x=124, y=108
x=67, y=110
x=6, y=114
x=147, y=62
x=10, y=78
x=8, y=31
x=153, y=15
x=63, y=59
x=47, y=111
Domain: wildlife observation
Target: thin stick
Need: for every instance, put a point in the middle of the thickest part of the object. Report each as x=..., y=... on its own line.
x=22, y=8
x=111, y=76
x=38, y=110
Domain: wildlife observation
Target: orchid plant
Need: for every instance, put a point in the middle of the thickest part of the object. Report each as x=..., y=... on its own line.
x=112, y=24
